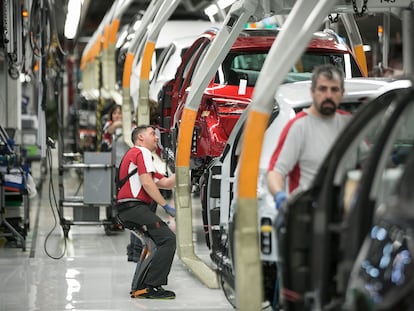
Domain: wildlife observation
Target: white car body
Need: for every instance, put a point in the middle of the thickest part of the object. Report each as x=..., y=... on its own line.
x=289, y=97
x=171, y=31
x=168, y=63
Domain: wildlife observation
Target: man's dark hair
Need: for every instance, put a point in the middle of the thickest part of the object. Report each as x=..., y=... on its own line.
x=329, y=71
x=138, y=130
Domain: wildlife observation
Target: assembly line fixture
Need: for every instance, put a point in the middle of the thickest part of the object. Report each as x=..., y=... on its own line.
x=291, y=43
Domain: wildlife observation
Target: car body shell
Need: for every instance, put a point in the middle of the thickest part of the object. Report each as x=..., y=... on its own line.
x=324, y=226
x=218, y=190
x=223, y=101
x=382, y=215
x=168, y=63
x=172, y=30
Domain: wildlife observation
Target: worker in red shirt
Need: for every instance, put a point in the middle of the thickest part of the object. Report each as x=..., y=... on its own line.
x=134, y=201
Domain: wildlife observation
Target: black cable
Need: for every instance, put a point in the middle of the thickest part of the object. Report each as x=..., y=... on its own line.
x=53, y=27
x=37, y=19
x=52, y=192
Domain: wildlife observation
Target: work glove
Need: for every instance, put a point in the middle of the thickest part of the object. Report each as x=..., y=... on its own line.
x=280, y=198
x=170, y=210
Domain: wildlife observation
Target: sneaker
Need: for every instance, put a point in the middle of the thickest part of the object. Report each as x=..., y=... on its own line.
x=151, y=292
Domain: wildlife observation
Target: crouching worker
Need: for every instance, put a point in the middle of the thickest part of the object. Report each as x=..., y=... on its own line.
x=134, y=200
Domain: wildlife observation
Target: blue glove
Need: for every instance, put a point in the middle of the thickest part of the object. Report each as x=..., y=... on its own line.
x=280, y=198
x=170, y=210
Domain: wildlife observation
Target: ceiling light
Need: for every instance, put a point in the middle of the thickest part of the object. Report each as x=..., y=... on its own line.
x=72, y=18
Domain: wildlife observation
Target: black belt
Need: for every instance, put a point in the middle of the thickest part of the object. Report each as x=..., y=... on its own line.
x=123, y=206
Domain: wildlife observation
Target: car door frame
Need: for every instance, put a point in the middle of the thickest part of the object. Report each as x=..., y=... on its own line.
x=309, y=250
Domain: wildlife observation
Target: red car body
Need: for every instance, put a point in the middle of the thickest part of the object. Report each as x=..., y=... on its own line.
x=230, y=90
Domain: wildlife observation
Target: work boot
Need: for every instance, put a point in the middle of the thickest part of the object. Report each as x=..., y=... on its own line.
x=151, y=292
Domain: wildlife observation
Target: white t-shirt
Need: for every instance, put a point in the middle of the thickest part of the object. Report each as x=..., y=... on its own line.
x=304, y=144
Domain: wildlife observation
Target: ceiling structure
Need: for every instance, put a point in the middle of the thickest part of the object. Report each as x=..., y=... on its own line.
x=93, y=12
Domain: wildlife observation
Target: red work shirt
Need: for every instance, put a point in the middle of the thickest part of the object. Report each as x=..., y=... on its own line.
x=140, y=158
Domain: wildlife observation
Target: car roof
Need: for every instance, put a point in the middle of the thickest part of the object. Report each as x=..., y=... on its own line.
x=184, y=42
x=325, y=40
x=297, y=94
x=182, y=28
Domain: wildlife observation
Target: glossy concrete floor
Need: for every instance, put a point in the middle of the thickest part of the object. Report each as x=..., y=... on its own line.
x=93, y=272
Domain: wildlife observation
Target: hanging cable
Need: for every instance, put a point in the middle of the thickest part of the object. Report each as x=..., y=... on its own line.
x=39, y=29
x=53, y=206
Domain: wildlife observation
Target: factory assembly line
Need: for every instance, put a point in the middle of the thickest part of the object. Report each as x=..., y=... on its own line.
x=231, y=81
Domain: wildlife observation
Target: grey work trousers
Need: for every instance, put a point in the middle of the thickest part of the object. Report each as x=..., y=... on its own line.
x=163, y=237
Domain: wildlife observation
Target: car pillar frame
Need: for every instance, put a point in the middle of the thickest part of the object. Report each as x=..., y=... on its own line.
x=356, y=42
x=290, y=44
x=134, y=50
x=109, y=44
x=142, y=114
